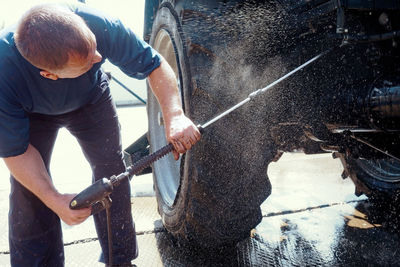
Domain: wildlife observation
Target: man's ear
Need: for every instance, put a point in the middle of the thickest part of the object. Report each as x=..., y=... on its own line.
x=48, y=75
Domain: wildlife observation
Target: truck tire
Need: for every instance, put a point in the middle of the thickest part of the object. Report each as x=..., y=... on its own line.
x=378, y=179
x=210, y=197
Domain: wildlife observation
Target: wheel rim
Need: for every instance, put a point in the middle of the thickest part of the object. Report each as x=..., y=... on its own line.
x=384, y=170
x=167, y=169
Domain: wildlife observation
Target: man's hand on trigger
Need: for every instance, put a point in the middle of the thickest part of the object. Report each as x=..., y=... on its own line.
x=182, y=133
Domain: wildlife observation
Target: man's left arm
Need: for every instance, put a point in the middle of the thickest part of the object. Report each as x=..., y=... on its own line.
x=179, y=129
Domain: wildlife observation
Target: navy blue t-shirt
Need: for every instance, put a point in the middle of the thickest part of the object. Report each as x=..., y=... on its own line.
x=23, y=90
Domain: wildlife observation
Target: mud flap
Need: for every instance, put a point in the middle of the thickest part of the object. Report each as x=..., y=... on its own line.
x=136, y=151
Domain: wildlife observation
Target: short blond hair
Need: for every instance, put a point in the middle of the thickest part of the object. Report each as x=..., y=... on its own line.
x=48, y=34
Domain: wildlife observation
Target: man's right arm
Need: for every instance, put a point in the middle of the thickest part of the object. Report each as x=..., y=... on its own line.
x=29, y=170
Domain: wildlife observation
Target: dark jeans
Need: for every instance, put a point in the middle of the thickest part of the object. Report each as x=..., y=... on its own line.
x=35, y=235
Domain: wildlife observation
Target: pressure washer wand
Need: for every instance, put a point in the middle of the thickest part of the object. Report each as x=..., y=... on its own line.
x=254, y=94
x=96, y=195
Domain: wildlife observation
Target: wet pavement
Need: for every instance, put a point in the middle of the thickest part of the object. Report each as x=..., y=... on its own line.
x=312, y=217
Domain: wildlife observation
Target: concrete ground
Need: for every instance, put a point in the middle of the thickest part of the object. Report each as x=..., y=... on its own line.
x=312, y=217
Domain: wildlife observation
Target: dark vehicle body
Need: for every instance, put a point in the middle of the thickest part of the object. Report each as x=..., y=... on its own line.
x=347, y=103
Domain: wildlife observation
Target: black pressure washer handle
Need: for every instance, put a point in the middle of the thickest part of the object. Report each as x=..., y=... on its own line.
x=92, y=194
x=95, y=194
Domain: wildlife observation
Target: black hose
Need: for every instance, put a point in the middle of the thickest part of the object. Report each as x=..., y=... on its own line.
x=109, y=236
